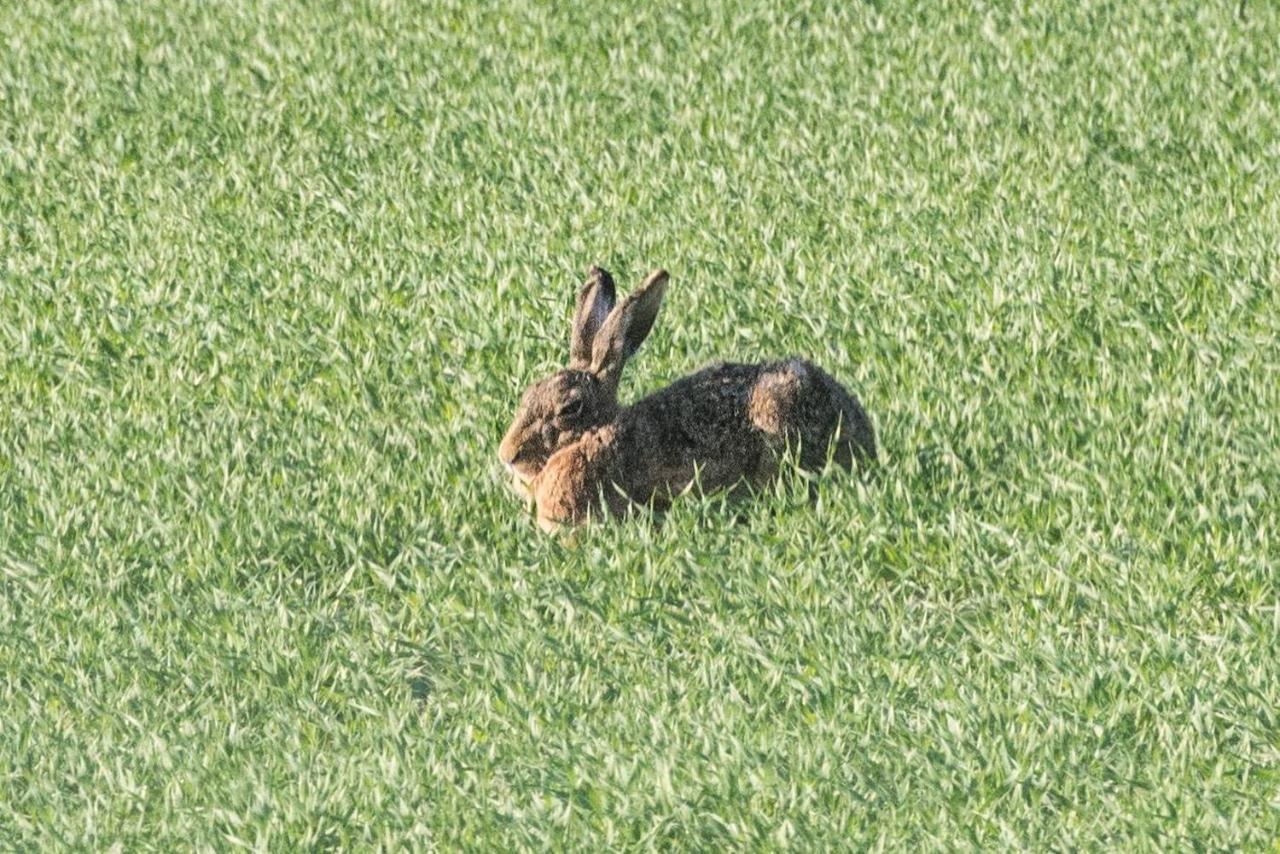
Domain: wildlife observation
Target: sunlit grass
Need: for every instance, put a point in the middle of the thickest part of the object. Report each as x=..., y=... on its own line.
x=272, y=277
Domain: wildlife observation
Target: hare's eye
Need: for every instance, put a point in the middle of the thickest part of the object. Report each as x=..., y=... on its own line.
x=572, y=409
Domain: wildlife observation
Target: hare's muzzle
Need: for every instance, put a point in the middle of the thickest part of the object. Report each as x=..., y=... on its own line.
x=519, y=480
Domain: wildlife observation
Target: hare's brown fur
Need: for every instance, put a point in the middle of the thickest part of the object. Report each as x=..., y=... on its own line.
x=725, y=426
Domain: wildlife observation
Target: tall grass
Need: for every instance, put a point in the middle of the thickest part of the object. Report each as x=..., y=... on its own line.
x=273, y=274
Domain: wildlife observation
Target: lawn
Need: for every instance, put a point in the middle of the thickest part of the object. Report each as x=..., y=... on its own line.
x=272, y=277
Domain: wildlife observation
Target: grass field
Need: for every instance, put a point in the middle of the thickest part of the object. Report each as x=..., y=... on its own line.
x=272, y=277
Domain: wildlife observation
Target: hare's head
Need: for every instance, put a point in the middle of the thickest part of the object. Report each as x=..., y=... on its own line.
x=557, y=410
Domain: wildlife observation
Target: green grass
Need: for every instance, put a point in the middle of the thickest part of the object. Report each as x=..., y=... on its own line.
x=273, y=275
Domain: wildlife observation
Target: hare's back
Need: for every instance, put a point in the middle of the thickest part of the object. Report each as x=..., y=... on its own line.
x=706, y=407
x=736, y=409
x=729, y=422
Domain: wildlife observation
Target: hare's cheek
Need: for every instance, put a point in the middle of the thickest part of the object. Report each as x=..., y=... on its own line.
x=562, y=440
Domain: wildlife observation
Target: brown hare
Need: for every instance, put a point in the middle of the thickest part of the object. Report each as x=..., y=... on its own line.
x=577, y=452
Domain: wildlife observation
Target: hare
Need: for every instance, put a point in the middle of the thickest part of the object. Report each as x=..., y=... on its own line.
x=580, y=454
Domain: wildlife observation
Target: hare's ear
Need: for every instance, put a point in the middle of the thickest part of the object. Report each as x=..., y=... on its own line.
x=626, y=328
x=595, y=300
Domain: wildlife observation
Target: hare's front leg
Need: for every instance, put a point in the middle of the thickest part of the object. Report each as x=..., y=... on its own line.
x=569, y=488
x=557, y=492
x=562, y=491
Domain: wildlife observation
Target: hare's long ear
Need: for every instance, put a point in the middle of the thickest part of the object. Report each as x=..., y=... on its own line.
x=626, y=328
x=595, y=300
